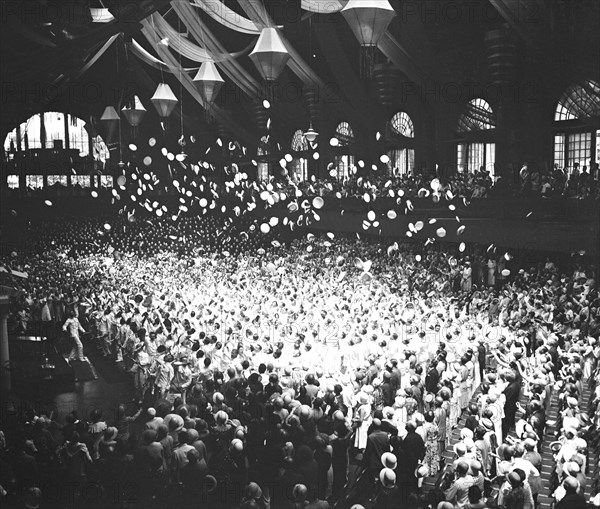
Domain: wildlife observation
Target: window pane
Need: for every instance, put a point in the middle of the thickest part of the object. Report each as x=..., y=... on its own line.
x=54, y=125
x=490, y=159
x=32, y=133
x=78, y=136
x=460, y=157
x=477, y=117
x=57, y=179
x=397, y=161
x=402, y=124
x=299, y=169
x=411, y=161
x=106, y=180
x=10, y=142
x=12, y=181
x=559, y=150
x=263, y=172
x=34, y=181
x=343, y=165
x=476, y=153
x=579, y=150
x=81, y=180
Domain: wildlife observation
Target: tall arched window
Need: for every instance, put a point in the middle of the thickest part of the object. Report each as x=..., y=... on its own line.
x=576, y=143
x=54, y=130
x=401, y=133
x=52, y=126
x=478, y=150
x=299, y=166
x=263, y=163
x=345, y=161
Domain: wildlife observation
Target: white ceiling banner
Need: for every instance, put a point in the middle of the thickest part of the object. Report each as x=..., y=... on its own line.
x=323, y=6
x=227, y=17
x=187, y=48
x=95, y=58
x=201, y=32
x=139, y=51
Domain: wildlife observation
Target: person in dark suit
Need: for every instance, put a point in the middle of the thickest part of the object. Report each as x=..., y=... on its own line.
x=572, y=499
x=413, y=449
x=512, y=394
x=378, y=442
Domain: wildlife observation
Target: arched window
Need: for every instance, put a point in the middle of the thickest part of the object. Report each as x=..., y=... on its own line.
x=57, y=132
x=263, y=163
x=54, y=131
x=344, y=162
x=299, y=166
x=402, y=124
x=576, y=144
x=479, y=150
x=401, y=133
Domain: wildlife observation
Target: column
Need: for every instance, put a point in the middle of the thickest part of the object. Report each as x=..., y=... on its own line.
x=5, y=380
x=67, y=141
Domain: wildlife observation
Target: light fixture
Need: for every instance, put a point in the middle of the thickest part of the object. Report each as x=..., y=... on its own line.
x=164, y=100
x=311, y=134
x=270, y=54
x=208, y=81
x=368, y=20
x=134, y=112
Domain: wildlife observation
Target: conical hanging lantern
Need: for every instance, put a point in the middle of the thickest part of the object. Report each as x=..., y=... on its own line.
x=270, y=54
x=109, y=122
x=164, y=100
x=208, y=81
x=134, y=112
x=368, y=20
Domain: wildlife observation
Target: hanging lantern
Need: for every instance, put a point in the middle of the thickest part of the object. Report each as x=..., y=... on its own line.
x=270, y=57
x=134, y=112
x=208, y=81
x=311, y=134
x=110, y=122
x=164, y=101
x=368, y=20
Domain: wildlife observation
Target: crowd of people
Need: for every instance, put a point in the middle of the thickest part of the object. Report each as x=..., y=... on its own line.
x=579, y=183
x=268, y=372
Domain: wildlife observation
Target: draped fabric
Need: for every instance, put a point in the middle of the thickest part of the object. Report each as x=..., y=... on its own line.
x=323, y=6
x=95, y=58
x=187, y=48
x=227, y=17
x=138, y=50
x=187, y=82
x=201, y=32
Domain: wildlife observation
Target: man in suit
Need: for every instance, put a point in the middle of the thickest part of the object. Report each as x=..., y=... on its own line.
x=378, y=442
x=413, y=449
x=572, y=499
x=512, y=394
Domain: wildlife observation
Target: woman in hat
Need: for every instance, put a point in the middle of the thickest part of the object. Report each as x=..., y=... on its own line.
x=361, y=421
x=432, y=452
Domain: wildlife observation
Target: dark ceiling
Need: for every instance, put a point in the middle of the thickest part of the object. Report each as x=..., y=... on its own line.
x=45, y=44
